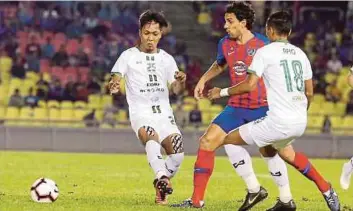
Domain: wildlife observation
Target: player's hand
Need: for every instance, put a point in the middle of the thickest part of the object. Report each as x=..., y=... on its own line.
x=198, y=92
x=180, y=76
x=214, y=93
x=114, y=85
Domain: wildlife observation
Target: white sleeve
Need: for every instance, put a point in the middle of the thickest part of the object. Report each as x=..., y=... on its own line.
x=172, y=67
x=120, y=65
x=308, y=72
x=257, y=65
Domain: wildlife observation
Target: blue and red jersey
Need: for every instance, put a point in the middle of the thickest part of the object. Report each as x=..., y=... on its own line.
x=239, y=57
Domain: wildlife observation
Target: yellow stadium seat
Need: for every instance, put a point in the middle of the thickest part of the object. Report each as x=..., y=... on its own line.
x=122, y=116
x=80, y=105
x=189, y=100
x=107, y=100
x=79, y=114
x=12, y=116
x=42, y=104
x=53, y=104
x=2, y=113
x=342, y=83
x=204, y=104
x=315, y=124
x=66, y=104
x=40, y=117
x=336, y=124
x=3, y=95
x=66, y=116
x=318, y=98
x=99, y=115
x=204, y=18
x=205, y=116
x=346, y=94
x=330, y=77
x=216, y=108
x=328, y=108
x=347, y=125
x=47, y=77
x=32, y=76
x=345, y=71
x=340, y=108
x=122, y=86
x=26, y=115
x=106, y=126
x=5, y=63
x=174, y=106
x=54, y=116
x=188, y=107
x=94, y=101
x=16, y=83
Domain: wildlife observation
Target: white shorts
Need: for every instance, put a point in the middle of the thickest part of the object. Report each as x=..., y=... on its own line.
x=265, y=131
x=164, y=125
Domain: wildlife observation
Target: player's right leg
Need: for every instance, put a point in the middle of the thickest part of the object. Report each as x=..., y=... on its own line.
x=150, y=139
x=346, y=174
x=303, y=165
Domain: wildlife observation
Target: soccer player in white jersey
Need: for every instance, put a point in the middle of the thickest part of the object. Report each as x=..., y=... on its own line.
x=347, y=168
x=287, y=74
x=148, y=71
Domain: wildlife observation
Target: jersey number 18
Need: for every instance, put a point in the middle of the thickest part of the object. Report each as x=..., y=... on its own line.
x=297, y=69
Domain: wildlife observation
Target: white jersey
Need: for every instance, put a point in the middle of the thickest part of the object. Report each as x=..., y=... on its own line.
x=284, y=68
x=147, y=77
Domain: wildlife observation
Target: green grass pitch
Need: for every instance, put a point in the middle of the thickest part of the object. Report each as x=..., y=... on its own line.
x=112, y=182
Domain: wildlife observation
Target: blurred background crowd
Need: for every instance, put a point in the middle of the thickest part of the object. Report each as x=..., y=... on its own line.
x=55, y=59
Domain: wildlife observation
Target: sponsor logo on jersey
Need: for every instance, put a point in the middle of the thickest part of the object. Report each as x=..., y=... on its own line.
x=240, y=68
x=251, y=52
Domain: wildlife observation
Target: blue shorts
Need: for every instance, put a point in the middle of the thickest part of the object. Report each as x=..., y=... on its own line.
x=231, y=117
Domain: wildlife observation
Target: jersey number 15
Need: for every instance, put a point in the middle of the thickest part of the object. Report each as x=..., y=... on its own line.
x=296, y=68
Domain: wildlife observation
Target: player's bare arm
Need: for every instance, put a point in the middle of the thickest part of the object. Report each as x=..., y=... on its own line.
x=244, y=87
x=309, y=90
x=178, y=86
x=350, y=77
x=211, y=73
x=114, y=83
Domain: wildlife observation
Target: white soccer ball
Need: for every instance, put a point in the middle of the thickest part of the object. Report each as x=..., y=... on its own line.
x=44, y=190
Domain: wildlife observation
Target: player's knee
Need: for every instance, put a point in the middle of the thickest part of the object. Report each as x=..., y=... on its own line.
x=206, y=143
x=147, y=133
x=177, y=143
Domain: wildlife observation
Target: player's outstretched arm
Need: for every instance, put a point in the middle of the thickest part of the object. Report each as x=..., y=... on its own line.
x=350, y=78
x=178, y=86
x=309, y=91
x=211, y=73
x=244, y=87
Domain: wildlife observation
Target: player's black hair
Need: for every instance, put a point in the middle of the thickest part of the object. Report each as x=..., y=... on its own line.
x=243, y=11
x=281, y=22
x=149, y=16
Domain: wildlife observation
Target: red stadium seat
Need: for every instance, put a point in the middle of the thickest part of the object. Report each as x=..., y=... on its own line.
x=83, y=74
x=57, y=72
x=72, y=46
x=44, y=66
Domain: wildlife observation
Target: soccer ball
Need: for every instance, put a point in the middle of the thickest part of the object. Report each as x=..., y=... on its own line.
x=44, y=190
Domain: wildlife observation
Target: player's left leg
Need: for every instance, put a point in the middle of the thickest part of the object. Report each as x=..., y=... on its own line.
x=173, y=146
x=346, y=174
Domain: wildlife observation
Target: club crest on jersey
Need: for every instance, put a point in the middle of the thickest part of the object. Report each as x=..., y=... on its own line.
x=240, y=68
x=251, y=52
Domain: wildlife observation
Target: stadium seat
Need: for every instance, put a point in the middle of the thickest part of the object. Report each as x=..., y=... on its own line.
x=53, y=104
x=122, y=86
x=174, y=106
x=67, y=118
x=315, y=124
x=42, y=104
x=79, y=114
x=94, y=101
x=12, y=116
x=107, y=100
x=204, y=104
x=2, y=113
x=84, y=73
x=32, y=76
x=5, y=64
x=80, y=105
x=340, y=108
x=189, y=100
x=26, y=115
x=54, y=116
x=99, y=115
x=328, y=108
x=66, y=104
x=216, y=108
x=205, y=116
x=330, y=77
x=346, y=94
x=319, y=98
x=72, y=46
x=40, y=117
x=188, y=107
x=122, y=116
x=44, y=66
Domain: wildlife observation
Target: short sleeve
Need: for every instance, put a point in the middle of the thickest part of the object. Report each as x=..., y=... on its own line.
x=258, y=65
x=308, y=72
x=120, y=65
x=221, y=60
x=172, y=68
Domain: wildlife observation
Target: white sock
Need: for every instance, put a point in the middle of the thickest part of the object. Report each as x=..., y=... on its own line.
x=155, y=158
x=351, y=164
x=172, y=163
x=278, y=170
x=242, y=164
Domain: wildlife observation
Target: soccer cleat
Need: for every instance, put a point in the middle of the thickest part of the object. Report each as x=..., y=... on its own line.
x=346, y=174
x=163, y=187
x=253, y=198
x=332, y=200
x=188, y=204
x=281, y=206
